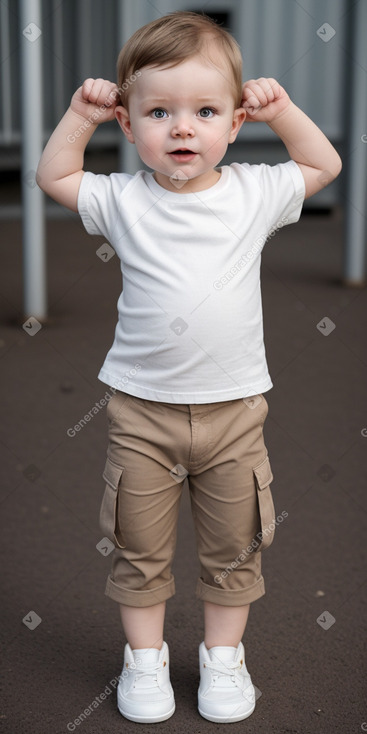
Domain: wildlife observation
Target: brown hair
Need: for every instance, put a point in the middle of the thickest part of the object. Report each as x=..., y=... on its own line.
x=172, y=39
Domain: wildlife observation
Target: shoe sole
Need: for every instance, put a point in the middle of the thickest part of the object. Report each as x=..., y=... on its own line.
x=147, y=719
x=225, y=719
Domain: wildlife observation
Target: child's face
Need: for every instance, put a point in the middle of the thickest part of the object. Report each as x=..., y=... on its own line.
x=189, y=106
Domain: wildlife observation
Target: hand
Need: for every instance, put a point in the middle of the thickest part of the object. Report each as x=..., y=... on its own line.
x=96, y=100
x=263, y=99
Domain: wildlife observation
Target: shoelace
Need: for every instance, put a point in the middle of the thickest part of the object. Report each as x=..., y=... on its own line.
x=148, y=670
x=231, y=669
x=224, y=668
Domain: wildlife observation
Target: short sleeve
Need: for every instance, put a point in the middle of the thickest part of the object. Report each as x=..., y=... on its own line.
x=99, y=201
x=283, y=191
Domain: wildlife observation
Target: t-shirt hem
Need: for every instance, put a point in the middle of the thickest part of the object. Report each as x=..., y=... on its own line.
x=201, y=397
x=299, y=191
x=83, y=201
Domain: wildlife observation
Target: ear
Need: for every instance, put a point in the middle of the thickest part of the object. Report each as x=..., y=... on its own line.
x=123, y=119
x=239, y=117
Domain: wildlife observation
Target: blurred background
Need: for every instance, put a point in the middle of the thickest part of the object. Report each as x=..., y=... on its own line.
x=60, y=636
x=316, y=49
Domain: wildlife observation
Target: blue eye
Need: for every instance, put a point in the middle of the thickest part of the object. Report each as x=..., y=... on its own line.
x=207, y=112
x=158, y=113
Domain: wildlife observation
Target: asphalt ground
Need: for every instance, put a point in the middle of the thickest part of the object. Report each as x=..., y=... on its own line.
x=62, y=643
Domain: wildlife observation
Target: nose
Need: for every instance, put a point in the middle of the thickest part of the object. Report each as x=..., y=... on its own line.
x=182, y=128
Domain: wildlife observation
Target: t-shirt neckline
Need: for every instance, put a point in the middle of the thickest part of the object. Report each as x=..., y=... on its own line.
x=159, y=190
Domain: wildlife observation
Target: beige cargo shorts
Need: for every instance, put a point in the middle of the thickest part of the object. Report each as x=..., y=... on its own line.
x=219, y=447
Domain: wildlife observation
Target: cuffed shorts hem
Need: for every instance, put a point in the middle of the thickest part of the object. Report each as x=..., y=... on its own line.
x=133, y=598
x=230, y=597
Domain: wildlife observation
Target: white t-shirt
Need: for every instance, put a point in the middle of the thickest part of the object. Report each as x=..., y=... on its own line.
x=190, y=326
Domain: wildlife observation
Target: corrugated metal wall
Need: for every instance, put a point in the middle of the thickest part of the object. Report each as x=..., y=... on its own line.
x=278, y=38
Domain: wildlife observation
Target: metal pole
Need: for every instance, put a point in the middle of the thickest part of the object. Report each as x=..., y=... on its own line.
x=34, y=255
x=6, y=73
x=128, y=12
x=354, y=254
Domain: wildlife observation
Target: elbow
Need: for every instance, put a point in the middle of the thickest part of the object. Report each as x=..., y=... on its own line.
x=338, y=166
x=42, y=181
x=39, y=178
x=326, y=177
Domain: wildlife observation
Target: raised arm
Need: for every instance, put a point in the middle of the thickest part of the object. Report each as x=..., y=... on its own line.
x=266, y=101
x=60, y=169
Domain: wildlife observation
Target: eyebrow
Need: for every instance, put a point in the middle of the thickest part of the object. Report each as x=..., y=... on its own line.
x=165, y=99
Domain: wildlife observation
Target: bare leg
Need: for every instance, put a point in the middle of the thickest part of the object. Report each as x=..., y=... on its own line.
x=143, y=626
x=224, y=626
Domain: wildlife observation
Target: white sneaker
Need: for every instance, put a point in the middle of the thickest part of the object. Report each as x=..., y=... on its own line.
x=226, y=693
x=144, y=692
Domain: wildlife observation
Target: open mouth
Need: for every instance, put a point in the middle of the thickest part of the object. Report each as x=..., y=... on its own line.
x=182, y=151
x=183, y=154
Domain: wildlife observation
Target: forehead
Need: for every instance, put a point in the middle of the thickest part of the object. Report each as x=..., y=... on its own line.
x=197, y=76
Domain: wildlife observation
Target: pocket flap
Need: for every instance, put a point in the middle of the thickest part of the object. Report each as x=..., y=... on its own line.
x=112, y=474
x=263, y=473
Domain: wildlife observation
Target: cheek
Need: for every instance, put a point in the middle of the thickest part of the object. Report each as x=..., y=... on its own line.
x=217, y=141
x=150, y=138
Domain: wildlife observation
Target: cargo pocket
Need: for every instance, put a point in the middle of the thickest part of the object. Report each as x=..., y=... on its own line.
x=108, y=514
x=263, y=478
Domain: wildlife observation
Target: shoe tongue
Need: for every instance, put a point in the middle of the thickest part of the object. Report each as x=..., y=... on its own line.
x=222, y=654
x=147, y=654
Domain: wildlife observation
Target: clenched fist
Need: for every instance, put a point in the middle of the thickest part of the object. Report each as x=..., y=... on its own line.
x=263, y=99
x=96, y=100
